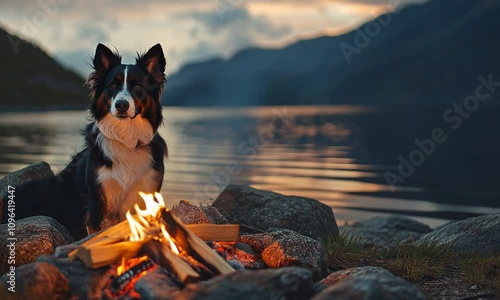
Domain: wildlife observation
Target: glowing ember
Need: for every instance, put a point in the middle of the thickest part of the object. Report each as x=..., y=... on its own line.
x=123, y=284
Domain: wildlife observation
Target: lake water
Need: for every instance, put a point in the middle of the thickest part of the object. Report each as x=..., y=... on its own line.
x=340, y=155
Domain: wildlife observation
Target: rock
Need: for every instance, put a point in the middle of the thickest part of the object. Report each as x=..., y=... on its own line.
x=65, y=250
x=84, y=283
x=285, y=283
x=263, y=210
x=39, y=280
x=190, y=214
x=32, y=172
x=244, y=247
x=367, y=283
x=474, y=235
x=35, y=236
x=385, y=231
x=156, y=285
x=214, y=215
x=285, y=248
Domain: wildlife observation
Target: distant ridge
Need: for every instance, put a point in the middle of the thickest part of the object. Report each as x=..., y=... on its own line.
x=31, y=79
x=430, y=53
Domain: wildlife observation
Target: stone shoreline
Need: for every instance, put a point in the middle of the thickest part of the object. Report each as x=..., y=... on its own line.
x=288, y=236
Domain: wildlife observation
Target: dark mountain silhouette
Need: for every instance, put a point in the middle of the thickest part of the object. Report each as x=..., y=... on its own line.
x=31, y=79
x=430, y=53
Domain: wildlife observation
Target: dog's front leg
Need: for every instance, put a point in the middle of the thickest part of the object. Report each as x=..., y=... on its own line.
x=96, y=210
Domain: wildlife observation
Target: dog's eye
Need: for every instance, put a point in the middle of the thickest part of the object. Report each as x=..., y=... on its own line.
x=137, y=86
x=112, y=85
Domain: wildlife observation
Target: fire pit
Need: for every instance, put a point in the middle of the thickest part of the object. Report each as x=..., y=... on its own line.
x=153, y=237
x=155, y=255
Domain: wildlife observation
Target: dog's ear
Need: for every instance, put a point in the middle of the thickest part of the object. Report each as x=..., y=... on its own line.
x=154, y=63
x=105, y=59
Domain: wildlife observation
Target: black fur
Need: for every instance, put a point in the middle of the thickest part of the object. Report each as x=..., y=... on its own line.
x=74, y=197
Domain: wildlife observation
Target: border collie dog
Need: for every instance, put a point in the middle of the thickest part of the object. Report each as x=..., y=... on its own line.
x=123, y=151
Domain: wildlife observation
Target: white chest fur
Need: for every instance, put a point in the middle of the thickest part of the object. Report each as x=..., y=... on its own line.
x=130, y=173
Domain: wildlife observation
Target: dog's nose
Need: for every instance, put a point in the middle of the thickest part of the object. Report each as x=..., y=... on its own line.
x=121, y=106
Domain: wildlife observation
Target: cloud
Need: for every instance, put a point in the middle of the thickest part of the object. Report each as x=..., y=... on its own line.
x=214, y=36
x=92, y=32
x=201, y=51
x=381, y=2
x=187, y=29
x=216, y=21
x=236, y=20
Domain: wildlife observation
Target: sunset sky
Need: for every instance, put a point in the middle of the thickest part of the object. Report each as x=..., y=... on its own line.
x=189, y=30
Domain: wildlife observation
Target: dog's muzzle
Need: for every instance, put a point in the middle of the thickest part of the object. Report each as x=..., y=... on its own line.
x=123, y=108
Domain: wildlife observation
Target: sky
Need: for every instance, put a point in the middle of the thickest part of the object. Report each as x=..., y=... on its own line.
x=188, y=30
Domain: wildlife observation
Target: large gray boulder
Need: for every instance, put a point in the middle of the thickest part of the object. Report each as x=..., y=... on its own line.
x=263, y=209
x=35, y=236
x=284, y=283
x=475, y=235
x=385, y=231
x=286, y=248
x=367, y=283
x=30, y=173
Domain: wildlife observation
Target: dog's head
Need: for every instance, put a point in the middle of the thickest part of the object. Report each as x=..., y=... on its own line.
x=126, y=98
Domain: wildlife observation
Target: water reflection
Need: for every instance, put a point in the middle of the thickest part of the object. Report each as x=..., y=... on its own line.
x=335, y=154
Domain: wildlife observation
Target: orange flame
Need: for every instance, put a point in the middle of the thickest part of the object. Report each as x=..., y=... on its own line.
x=166, y=236
x=121, y=268
x=145, y=223
x=126, y=264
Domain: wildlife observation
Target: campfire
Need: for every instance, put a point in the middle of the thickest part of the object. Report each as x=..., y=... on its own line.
x=154, y=237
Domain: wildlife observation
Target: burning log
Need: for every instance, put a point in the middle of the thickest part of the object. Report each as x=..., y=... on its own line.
x=112, y=235
x=105, y=248
x=163, y=255
x=206, y=232
x=194, y=246
x=212, y=232
x=198, y=267
x=102, y=255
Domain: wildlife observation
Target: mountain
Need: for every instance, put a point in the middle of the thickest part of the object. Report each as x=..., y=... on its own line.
x=429, y=53
x=31, y=79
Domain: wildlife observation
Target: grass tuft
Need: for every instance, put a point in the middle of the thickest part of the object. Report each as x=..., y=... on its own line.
x=416, y=263
x=483, y=270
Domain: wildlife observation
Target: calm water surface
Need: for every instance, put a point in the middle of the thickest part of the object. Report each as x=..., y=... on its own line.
x=336, y=154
